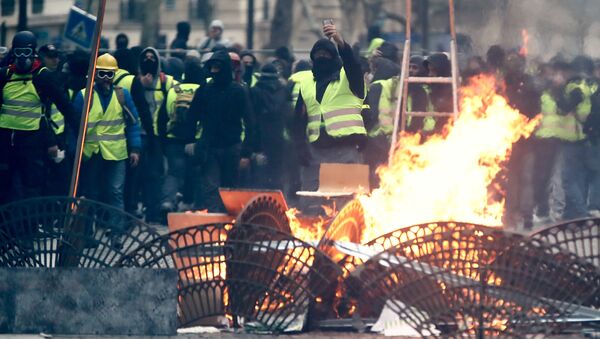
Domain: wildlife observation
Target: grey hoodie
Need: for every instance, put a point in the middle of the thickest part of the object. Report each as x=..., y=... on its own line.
x=144, y=69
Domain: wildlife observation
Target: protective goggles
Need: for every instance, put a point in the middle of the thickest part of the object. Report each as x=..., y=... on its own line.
x=105, y=74
x=23, y=52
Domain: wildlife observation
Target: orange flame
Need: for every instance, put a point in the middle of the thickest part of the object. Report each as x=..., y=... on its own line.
x=448, y=176
x=524, y=51
x=306, y=230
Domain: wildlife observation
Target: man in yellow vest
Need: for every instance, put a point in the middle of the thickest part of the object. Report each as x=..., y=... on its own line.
x=581, y=156
x=379, y=117
x=174, y=121
x=112, y=138
x=26, y=136
x=328, y=111
x=545, y=145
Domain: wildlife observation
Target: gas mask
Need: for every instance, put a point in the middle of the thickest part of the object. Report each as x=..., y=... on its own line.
x=24, y=57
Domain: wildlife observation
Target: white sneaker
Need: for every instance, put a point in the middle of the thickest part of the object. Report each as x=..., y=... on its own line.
x=594, y=213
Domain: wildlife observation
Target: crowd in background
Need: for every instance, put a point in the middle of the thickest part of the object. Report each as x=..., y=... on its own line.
x=214, y=116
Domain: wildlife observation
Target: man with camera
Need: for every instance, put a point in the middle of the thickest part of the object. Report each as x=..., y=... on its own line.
x=329, y=127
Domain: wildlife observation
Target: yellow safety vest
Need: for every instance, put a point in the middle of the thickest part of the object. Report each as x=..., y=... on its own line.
x=387, y=105
x=123, y=79
x=105, y=130
x=552, y=124
x=172, y=105
x=573, y=127
x=159, y=97
x=22, y=108
x=429, y=122
x=339, y=110
x=297, y=78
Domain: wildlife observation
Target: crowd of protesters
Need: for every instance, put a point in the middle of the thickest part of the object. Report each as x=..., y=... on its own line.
x=166, y=132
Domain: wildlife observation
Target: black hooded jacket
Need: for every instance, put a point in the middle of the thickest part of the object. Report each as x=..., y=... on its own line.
x=270, y=100
x=221, y=107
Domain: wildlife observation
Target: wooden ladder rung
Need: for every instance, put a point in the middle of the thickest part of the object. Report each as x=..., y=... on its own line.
x=429, y=80
x=429, y=114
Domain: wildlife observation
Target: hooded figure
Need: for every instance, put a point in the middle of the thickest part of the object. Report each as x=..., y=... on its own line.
x=325, y=67
x=150, y=72
x=223, y=110
x=149, y=91
x=250, y=66
x=328, y=124
x=270, y=100
x=220, y=69
x=180, y=41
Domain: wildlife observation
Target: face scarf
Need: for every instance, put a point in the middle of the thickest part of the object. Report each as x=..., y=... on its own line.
x=149, y=66
x=221, y=77
x=325, y=67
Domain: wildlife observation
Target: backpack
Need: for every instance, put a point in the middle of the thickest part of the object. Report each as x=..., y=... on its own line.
x=180, y=110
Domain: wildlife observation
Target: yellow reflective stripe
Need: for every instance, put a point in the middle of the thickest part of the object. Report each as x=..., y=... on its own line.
x=344, y=124
x=340, y=113
x=14, y=112
x=105, y=123
x=22, y=103
x=105, y=137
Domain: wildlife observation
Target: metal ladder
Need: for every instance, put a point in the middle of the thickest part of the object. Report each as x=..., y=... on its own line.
x=400, y=114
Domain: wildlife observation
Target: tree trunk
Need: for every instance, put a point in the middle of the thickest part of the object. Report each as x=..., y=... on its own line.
x=151, y=23
x=351, y=13
x=281, y=26
x=373, y=11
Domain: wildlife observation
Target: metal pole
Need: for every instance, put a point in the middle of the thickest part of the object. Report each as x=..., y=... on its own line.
x=87, y=100
x=408, y=18
x=399, y=113
x=452, y=19
x=22, y=24
x=250, y=26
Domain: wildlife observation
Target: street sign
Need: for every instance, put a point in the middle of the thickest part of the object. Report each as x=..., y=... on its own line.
x=80, y=27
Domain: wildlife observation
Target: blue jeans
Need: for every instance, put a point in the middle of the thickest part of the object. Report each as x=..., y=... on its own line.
x=104, y=180
x=581, y=179
x=176, y=171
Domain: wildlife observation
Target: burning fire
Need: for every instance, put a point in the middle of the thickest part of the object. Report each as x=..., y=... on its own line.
x=524, y=51
x=448, y=176
x=309, y=230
